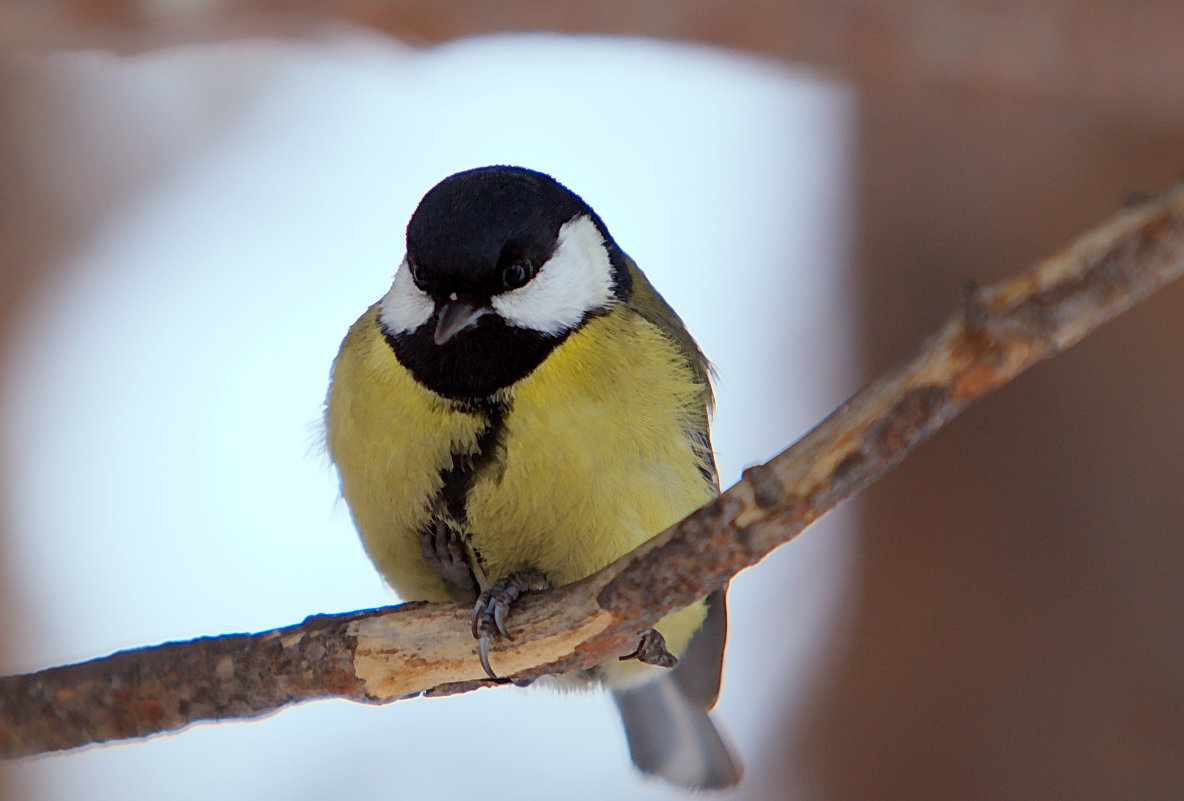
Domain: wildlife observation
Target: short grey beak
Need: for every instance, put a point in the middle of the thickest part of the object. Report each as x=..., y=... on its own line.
x=456, y=316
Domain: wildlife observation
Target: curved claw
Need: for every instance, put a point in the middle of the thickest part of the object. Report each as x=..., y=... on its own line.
x=499, y=620
x=479, y=614
x=651, y=650
x=489, y=615
x=484, y=650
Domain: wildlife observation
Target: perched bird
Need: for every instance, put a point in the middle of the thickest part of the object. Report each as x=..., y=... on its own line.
x=518, y=411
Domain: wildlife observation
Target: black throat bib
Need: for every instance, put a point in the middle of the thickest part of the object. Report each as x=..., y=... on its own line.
x=475, y=363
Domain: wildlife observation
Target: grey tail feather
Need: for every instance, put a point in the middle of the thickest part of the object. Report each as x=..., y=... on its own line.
x=673, y=737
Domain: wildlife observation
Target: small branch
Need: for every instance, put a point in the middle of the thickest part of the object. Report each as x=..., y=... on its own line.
x=382, y=655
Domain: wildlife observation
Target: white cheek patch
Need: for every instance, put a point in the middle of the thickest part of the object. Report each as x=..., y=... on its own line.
x=405, y=307
x=577, y=279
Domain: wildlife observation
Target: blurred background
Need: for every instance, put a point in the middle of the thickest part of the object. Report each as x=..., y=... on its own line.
x=199, y=197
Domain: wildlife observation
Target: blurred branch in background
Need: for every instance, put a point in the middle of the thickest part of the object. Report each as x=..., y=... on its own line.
x=1120, y=59
x=381, y=656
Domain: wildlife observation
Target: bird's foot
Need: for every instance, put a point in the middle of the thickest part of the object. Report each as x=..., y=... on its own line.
x=489, y=617
x=651, y=650
x=444, y=551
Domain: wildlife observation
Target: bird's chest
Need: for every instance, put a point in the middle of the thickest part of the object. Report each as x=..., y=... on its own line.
x=583, y=462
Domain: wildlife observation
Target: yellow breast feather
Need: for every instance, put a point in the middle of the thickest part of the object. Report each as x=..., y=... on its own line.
x=596, y=456
x=390, y=438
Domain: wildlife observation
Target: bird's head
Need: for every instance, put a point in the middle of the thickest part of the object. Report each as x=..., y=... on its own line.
x=502, y=264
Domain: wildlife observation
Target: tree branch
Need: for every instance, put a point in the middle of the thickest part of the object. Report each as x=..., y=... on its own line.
x=381, y=655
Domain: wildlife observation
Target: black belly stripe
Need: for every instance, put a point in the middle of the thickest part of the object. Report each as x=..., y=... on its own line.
x=447, y=529
x=458, y=479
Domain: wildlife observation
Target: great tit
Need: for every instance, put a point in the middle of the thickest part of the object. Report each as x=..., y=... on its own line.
x=518, y=411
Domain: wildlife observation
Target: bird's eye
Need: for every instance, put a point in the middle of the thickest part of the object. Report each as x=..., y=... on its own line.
x=518, y=274
x=416, y=275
